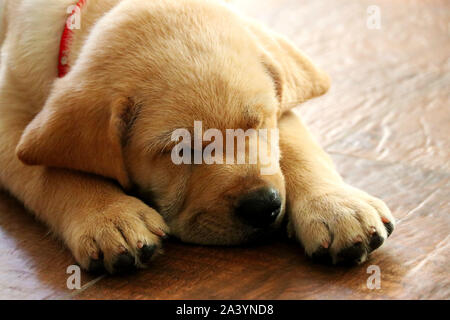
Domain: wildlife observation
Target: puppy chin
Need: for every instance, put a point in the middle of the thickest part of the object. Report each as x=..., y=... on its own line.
x=233, y=236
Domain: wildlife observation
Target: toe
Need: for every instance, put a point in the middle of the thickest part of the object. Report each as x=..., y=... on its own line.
x=352, y=254
x=124, y=264
x=146, y=253
x=375, y=241
x=389, y=227
x=166, y=236
x=322, y=255
x=96, y=265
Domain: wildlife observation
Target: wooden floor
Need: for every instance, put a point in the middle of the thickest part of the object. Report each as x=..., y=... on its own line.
x=385, y=122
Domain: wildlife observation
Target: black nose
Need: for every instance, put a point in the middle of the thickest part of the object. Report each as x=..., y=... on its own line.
x=259, y=208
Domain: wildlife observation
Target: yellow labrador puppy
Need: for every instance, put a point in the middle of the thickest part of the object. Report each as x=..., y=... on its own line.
x=90, y=152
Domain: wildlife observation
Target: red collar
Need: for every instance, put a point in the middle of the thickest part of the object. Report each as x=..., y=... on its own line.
x=64, y=46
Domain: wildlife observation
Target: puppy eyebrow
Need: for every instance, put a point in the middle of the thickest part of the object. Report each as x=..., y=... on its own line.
x=163, y=141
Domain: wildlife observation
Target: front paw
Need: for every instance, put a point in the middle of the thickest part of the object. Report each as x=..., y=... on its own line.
x=340, y=225
x=119, y=237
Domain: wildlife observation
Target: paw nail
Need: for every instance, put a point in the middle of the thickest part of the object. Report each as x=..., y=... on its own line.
x=124, y=264
x=351, y=255
x=321, y=256
x=158, y=232
x=372, y=230
x=389, y=227
x=385, y=220
x=146, y=253
x=94, y=255
x=122, y=249
x=96, y=266
x=139, y=244
x=165, y=236
x=325, y=244
x=376, y=241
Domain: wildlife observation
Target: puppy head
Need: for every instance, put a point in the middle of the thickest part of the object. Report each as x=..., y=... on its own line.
x=148, y=69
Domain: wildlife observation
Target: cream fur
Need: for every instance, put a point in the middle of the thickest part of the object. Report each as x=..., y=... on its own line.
x=138, y=70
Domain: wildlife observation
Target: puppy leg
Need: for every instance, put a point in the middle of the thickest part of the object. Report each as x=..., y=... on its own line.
x=99, y=223
x=334, y=221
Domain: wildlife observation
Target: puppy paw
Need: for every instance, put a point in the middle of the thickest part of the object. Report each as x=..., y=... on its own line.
x=341, y=226
x=120, y=238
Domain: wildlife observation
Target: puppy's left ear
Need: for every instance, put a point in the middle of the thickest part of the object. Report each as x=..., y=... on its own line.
x=82, y=126
x=296, y=78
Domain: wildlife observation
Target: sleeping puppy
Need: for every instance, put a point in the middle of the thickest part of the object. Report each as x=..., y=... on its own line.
x=90, y=153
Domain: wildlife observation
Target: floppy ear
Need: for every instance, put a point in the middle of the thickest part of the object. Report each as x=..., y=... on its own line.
x=296, y=78
x=80, y=128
